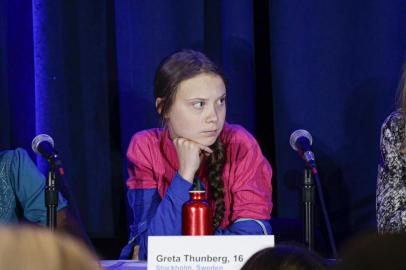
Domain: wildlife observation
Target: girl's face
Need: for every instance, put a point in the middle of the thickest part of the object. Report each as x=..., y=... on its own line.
x=198, y=111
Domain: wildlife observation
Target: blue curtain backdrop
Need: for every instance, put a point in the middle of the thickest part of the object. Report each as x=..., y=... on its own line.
x=82, y=72
x=147, y=31
x=335, y=71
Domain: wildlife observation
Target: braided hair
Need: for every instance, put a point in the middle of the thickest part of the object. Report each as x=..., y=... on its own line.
x=215, y=166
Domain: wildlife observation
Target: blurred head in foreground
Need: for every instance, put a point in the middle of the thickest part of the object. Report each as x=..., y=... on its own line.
x=34, y=248
x=284, y=257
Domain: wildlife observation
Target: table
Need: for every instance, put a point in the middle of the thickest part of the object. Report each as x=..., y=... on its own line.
x=123, y=264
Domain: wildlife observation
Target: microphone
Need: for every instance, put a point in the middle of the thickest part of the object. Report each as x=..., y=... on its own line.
x=43, y=145
x=301, y=140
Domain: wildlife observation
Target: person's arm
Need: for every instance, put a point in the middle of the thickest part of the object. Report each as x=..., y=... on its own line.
x=155, y=216
x=69, y=223
x=246, y=227
x=251, y=188
x=391, y=186
x=151, y=215
x=29, y=186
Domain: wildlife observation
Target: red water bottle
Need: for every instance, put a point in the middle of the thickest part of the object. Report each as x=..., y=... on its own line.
x=196, y=212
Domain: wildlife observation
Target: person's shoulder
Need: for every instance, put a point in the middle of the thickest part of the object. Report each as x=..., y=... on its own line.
x=234, y=133
x=13, y=153
x=394, y=121
x=13, y=160
x=152, y=135
x=144, y=145
x=6, y=156
x=145, y=140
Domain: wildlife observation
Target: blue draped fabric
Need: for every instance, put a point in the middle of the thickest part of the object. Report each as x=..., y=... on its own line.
x=82, y=71
x=335, y=71
x=16, y=74
x=225, y=34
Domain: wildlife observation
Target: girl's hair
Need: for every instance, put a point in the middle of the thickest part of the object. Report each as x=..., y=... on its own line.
x=29, y=247
x=215, y=165
x=402, y=98
x=173, y=70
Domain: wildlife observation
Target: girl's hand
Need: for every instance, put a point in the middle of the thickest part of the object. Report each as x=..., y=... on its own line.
x=190, y=154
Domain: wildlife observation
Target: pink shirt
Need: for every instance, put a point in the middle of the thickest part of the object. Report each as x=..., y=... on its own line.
x=153, y=163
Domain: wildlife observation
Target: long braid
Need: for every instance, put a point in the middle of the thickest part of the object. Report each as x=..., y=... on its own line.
x=215, y=167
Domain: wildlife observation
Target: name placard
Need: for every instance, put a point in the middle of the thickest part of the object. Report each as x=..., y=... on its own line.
x=204, y=252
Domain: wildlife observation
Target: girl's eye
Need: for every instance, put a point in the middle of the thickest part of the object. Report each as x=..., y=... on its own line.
x=222, y=100
x=198, y=105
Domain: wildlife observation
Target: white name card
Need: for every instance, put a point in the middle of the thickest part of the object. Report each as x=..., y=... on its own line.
x=204, y=252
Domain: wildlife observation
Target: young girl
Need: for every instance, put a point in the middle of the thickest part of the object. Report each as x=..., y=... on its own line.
x=195, y=141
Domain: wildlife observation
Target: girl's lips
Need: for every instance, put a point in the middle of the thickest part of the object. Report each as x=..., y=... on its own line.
x=210, y=132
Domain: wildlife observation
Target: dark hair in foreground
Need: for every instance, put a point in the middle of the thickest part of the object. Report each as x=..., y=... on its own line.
x=173, y=70
x=374, y=251
x=284, y=257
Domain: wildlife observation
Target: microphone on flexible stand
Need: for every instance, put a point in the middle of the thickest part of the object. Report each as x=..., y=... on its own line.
x=43, y=145
x=301, y=140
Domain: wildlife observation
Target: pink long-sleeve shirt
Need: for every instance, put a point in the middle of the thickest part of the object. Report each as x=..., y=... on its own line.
x=153, y=163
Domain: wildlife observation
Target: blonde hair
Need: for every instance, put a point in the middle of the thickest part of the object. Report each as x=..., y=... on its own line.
x=37, y=248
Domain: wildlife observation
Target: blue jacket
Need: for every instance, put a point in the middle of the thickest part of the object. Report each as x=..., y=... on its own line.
x=164, y=217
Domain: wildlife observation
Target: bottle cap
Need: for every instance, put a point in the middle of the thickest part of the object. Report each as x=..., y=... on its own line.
x=197, y=186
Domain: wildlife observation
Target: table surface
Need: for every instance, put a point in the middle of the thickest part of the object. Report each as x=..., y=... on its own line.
x=123, y=264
